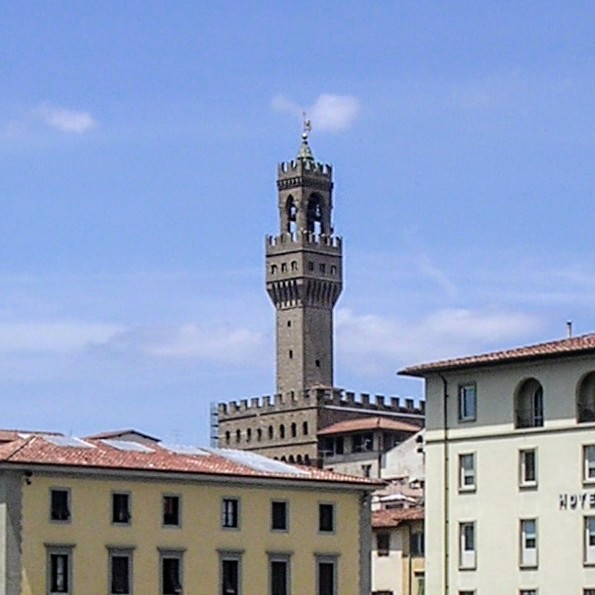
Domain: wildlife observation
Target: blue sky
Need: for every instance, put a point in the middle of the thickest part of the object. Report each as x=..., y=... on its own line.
x=138, y=152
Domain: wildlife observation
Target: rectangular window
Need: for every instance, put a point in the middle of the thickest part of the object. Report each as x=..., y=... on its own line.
x=528, y=543
x=120, y=572
x=588, y=591
x=417, y=544
x=466, y=592
x=589, y=554
x=589, y=462
x=59, y=569
x=467, y=401
x=279, y=516
x=326, y=575
x=230, y=513
x=528, y=592
x=171, y=511
x=467, y=472
x=279, y=575
x=528, y=468
x=326, y=518
x=171, y=573
x=230, y=577
x=467, y=558
x=60, y=504
x=383, y=544
x=121, y=508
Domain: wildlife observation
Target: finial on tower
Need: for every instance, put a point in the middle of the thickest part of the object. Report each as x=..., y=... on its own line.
x=305, y=153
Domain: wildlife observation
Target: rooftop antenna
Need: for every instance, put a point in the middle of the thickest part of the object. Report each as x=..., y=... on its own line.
x=569, y=328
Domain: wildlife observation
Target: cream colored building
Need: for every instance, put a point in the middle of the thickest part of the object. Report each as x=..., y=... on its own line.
x=127, y=515
x=510, y=471
x=398, y=552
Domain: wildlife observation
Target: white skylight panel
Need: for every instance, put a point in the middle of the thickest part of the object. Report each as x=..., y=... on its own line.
x=257, y=462
x=127, y=446
x=68, y=441
x=183, y=449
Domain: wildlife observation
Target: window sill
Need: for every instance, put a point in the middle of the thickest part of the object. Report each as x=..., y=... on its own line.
x=528, y=486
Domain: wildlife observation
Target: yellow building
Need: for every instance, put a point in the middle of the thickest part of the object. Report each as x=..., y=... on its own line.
x=129, y=515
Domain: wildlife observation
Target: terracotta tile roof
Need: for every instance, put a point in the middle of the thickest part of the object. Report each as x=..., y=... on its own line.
x=573, y=346
x=368, y=424
x=393, y=517
x=39, y=450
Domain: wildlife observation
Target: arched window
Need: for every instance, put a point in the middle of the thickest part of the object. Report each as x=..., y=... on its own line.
x=258, y=434
x=291, y=459
x=273, y=269
x=293, y=430
x=281, y=431
x=585, y=401
x=294, y=265
x=305, y=428
x=291, y=214
x=238, y=435
x=314, y=214
x=227, y=437
x=529, y=404
x=307, y=459
x=271, y=432
x=299, y=459
x=248, y=435
x=284, y=458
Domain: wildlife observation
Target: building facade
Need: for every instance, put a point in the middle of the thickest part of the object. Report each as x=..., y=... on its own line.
x=126, y=516
x=510, y=471
x=304, y=279
x=398, y=552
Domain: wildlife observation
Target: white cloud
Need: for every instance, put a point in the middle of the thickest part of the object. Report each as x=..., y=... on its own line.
x=370, y=342
x=329, y=112
x=189, y=341
x=65, y=120
x=55, y=337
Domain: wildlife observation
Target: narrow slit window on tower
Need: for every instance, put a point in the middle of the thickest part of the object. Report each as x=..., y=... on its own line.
x=294, y=265
x=289, y=323
x=305, y=428
x=322, y=267
x=317, y=362
x=310, y=266
x=284, y=267
x=333, y=269
x=290, y=354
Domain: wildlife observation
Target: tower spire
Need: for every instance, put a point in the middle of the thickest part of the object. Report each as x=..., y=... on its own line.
x=305, y=153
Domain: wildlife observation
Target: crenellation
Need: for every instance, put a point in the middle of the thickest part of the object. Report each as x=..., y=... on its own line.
x=296, y=167
x=282, y=241
x=318, y=396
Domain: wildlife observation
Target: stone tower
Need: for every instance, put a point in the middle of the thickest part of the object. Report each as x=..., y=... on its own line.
x=304, y=273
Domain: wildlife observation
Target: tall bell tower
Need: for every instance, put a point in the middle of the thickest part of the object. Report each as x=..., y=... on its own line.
x=304, y=273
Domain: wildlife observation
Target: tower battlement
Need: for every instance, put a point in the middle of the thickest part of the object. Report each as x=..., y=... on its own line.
x=301, y=167
x=303, y=239
x=320, y=397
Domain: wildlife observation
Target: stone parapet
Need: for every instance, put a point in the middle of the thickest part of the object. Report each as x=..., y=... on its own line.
x=319, y=397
